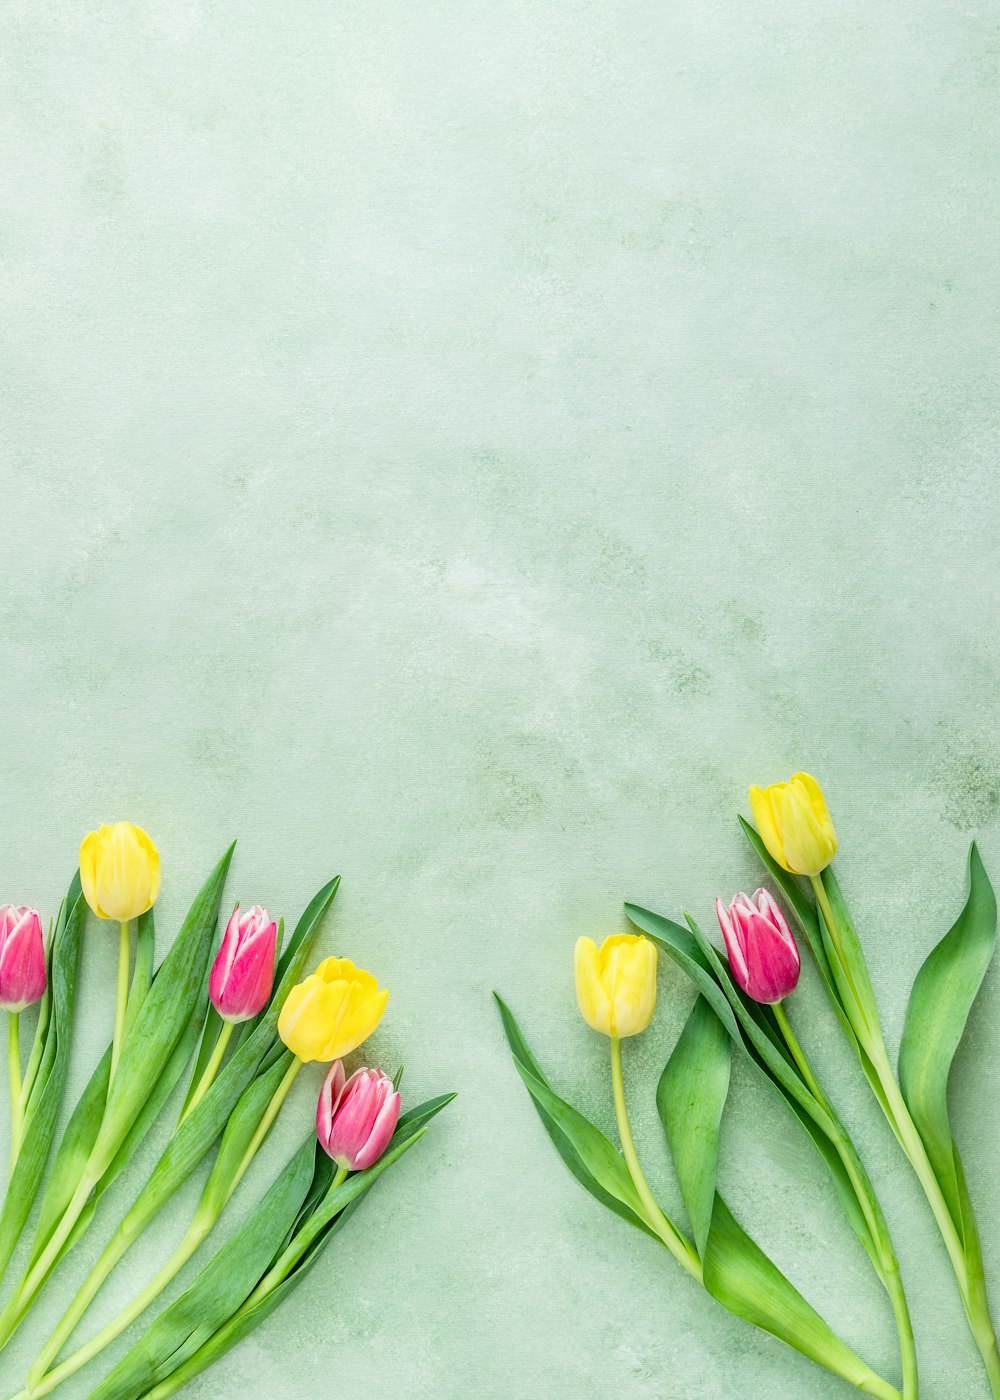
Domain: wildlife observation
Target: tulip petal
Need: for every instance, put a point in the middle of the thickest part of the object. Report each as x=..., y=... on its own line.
x=591, y=995
x=381, y=1133
x=761, y=807
x=772, y=966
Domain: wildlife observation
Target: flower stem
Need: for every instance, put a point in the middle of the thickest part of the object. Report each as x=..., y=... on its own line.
x=908, y=1136
x=681, y=1248
x=121, y=997
x=14, y=1074
x=264, y=1126
x=41, y=1382
x=211, y=1070
x=293, y=1253
x=888, y=1264
x=21, y=1299
x=218, y=1344
x=196, y=1233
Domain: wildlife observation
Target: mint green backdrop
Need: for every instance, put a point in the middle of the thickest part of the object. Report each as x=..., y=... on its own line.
x=460, y=446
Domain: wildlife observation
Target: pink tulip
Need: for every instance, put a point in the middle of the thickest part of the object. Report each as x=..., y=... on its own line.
x=22, y=957
x=243, y=971
x=356, y=1118
x=763, y=957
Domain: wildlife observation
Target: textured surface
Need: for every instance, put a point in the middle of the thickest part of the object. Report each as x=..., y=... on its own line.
x=461, y=445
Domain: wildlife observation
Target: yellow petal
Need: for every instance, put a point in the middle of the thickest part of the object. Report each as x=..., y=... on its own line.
x=762, y=809
x=330, y=1014
x=591, y=996
x=305, y=1019
x=807, y=831
x=88, y=869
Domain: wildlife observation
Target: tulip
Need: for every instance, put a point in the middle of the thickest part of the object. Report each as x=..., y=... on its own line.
x=119, y=871
x=763, y=956
x=22, y=958
x=243, y=971
x=332, y=1012
x=356, y=1117
x=22, y=982
x=616, y=983
x=795, y=824
x=120, y=875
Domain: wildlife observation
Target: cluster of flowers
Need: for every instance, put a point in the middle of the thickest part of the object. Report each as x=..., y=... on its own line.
x=741, y=1003
x=271, y=1032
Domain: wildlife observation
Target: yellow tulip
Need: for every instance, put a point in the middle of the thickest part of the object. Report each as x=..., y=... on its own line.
x=795, y=824
x=119, y=871
x=332, y=1012
x=616, y=983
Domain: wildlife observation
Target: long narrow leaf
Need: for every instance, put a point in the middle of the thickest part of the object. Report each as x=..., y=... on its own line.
x=690, y=1099
x=221, y=1286
x=740, y=1275
x=563, y=1142
x=940, y=1002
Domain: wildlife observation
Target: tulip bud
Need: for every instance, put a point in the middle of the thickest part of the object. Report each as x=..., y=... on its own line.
x=356, y=1118
x=119, y=871
x=22, y=958
x=243, y=971
x=332, y=1012
x=795, y=824
x=616, y=983
x=763, y=956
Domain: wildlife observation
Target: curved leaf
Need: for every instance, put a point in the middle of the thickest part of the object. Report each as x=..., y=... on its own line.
x=690, y=1099
x=936, y=1017
x=567, y=1149
x=743, y=1279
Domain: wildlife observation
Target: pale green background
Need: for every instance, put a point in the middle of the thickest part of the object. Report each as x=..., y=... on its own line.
x=461, y=445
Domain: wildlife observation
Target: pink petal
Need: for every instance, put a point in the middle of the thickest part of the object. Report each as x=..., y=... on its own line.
x=381, y=1133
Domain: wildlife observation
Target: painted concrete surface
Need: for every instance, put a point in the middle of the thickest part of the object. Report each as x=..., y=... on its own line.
x=461, y=446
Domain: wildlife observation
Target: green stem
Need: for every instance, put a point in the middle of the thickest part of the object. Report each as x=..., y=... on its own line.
x=264, y=1126
x=23, y=1296
x=218, y=1344
x=116, y=1247
x=37, y=1049
x=293, y=1253
x=14, y=1073
x=888, y=1266
x=40, y=1381
x=121, y=997
x=211, y=1070
x=199, y=1228
x=908, y=1135
x=681, y=1248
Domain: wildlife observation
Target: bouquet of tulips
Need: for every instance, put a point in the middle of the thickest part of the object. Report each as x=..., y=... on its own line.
x=239, y=1026
x=741, y=995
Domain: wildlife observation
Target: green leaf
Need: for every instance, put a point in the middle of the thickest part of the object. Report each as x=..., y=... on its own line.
x=243, y=1123
x=753, y=1029
x=221, y=1286
x=600, y=1158
x=936, y=1017
x=142, y=972
x=50, y=1074
x=680, y=945
x=205, y=1322
x=743, y=1279
x=567, y=1149
x=71, y=1157
x=853, y=982
x=690, y=1099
